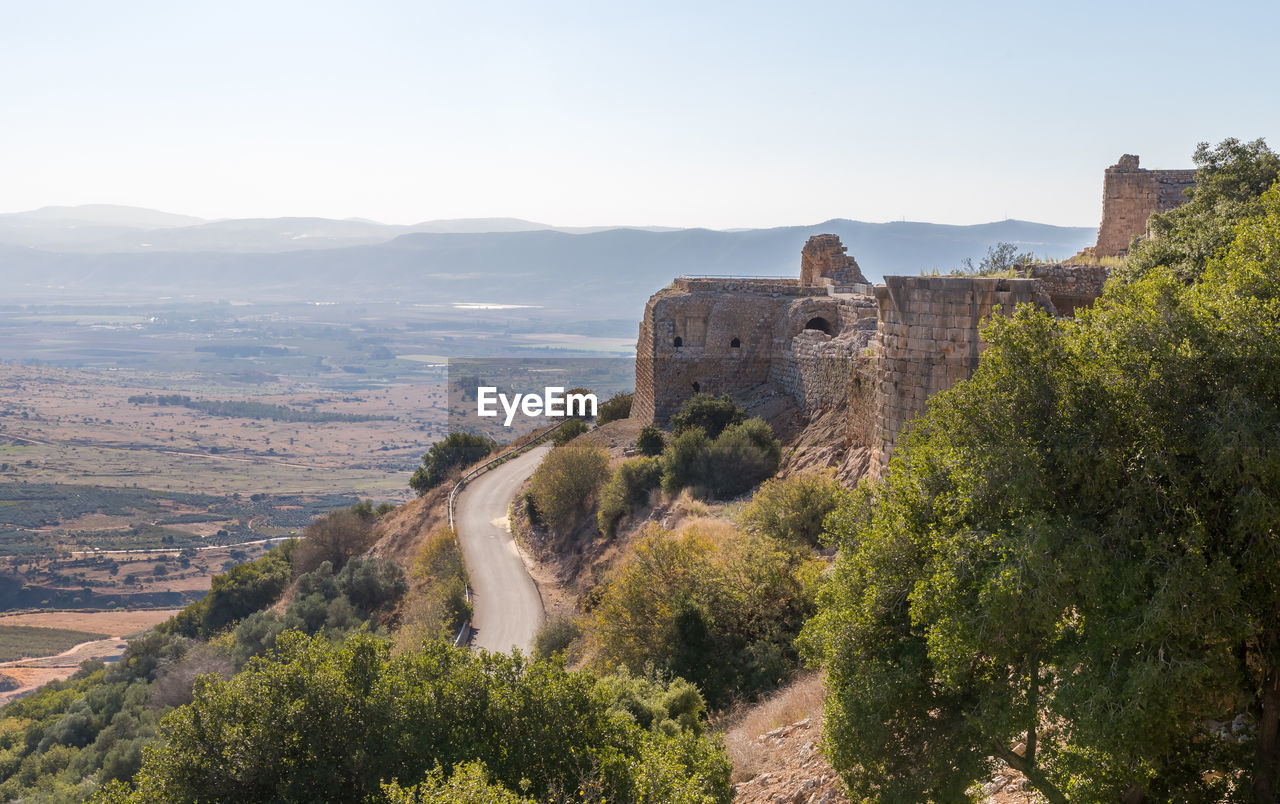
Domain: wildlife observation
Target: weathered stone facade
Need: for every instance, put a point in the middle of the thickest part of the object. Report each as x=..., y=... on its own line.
x=828, y=341
x=1130, y=195
x=824, y=260
x=928, y=340
x=735, y=335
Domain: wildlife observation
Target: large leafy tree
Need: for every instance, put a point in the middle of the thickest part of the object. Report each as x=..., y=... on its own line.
x=1073, y=562
x=1230, y=180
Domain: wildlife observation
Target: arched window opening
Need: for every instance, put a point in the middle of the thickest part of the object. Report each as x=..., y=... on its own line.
x=819, y=323
x=678, y=342
x=735, y=344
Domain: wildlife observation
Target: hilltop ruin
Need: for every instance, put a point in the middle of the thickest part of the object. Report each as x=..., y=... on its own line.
x=829, y=341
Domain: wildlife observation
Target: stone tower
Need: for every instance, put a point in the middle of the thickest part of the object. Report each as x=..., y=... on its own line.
x=1130, y=195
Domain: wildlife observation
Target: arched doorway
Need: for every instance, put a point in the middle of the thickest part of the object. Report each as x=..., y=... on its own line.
x=821, y=324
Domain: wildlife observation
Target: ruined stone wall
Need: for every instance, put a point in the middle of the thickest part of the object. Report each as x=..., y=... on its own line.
x=740, y=338
x=823, y=258
x=816, y=369
x=709, y=341
x=927, y=340
x=1068, y=285
x=1130, y=195
x=776, y=287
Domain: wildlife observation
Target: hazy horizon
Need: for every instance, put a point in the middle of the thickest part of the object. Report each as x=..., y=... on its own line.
x=723, y=116
x=197, y=220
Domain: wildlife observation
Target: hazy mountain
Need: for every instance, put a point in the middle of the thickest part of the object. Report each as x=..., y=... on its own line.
x=105, y=228
x=103, y=215
x=598, y=274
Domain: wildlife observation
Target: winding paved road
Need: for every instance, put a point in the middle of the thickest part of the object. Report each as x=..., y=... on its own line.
x=508, y=609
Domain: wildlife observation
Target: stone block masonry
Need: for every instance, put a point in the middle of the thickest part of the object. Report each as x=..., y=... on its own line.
x=824, y=342
x=928, y=340
x=1130, y=195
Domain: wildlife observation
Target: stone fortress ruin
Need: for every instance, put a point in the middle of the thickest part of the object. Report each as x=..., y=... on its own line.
x=829, y=341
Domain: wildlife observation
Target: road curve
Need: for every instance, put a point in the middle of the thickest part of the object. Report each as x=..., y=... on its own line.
x=508, y=609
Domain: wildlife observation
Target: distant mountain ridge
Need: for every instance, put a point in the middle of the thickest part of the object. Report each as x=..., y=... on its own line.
x=102, y=228
x=602, y=273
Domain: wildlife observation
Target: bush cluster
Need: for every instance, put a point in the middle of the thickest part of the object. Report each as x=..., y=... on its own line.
x=793, y=509
x=627, y=489
x=563, y=487
x=615, y=407
x=712, y=605
x=322, y=722
x=738, y=458
x=444, y=457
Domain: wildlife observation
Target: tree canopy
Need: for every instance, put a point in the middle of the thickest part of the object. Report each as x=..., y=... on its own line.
x=1077, y=551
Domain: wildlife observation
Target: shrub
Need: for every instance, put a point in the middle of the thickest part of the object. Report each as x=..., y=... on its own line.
x=626, y=490
x=556, y=636
x=793, y=509
x=741, y=456
x=563, y=487
x=615, y=407
x=454, y=452
x=711, y=413
x=651, y=441
x=571, y=429
x=684, y=460
x=242, y=590
x=438, y=601
x=335, y=538
x=713, y=605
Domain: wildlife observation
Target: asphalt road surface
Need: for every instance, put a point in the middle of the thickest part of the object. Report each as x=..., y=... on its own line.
x=508, y=609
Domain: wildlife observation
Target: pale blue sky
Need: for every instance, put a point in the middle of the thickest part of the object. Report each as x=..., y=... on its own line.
x=724, y=115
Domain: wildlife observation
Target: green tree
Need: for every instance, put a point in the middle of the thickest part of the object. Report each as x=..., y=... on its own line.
x=1230, y=180
x=322, y=722
x=651, y=441
x=1077, y=550
x=571, y=429
x=454, y=452
x=1002, y=258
